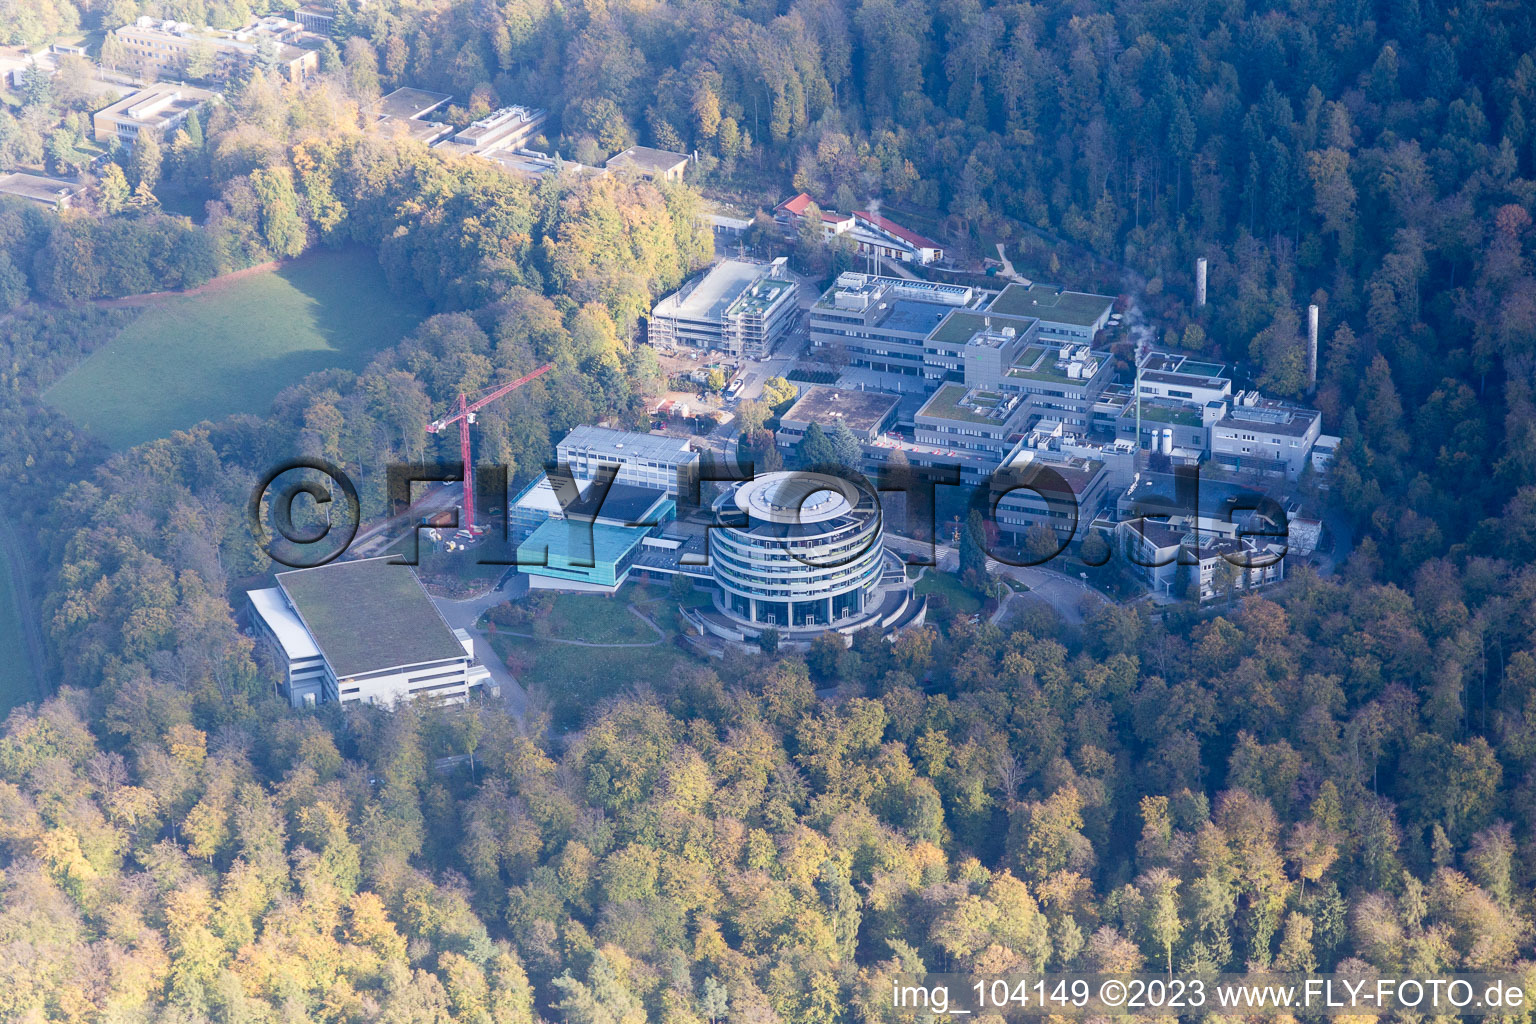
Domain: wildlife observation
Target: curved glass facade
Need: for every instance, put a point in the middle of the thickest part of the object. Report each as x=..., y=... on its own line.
x=809, y=555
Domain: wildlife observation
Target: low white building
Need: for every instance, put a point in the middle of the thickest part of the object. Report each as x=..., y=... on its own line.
x=660, y=462
x=363, y=631
x=1203, y=555
x=737, y=307
x=1262, y=436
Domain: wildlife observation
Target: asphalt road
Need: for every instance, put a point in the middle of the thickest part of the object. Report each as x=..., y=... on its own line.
x=1069, y=596
x=466, y=614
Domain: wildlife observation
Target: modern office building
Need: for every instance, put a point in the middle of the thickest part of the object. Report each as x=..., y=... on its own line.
x=590, y=544
x=362, y=631
x=1206, y=556
x=654, y=461
x=946, y=347
x=166, y=49
x=1261, y=435
x=1175, y=400
x=883, y=323
x=866, y=413
x=1179, y=377
x=315, y=18
x=1179, y=430
x=509, y=128
x=1049, y=439
x=1062, y=491
x=737, y=307
x=157, y=109
x=1059, y=381
x=988, y=423
x=809, y=552
x=1065, y=316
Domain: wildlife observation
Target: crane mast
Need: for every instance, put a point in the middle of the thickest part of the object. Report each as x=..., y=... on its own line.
x=464, y=415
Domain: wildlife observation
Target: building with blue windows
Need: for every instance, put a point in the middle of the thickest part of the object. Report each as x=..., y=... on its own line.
x=590, y=541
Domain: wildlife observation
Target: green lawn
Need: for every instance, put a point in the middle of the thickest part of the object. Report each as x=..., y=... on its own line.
x=573, y=679
x=598, y=619
x=962, y=599
x=232, y=348
x=16, y=683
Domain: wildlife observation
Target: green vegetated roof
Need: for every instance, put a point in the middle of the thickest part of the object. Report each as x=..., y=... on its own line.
x=1163, y=414
x=369, y=615
x=946, y=404
x=1039, y=362
x=961, y=325
x=1080, y=308
x=761, y=296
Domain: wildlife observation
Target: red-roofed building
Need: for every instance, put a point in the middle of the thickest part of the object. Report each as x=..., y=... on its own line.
x=873, y=234
x=925, y=250
x=795, y=206
x=791, y=211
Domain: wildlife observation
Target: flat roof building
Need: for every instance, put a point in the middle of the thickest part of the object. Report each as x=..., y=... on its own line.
x=866, y=413
x=809, y=553
x=591, y=546
x=1064, y=492
x=738, y=307
x=656, y=461
x=362, y=631
x=988, y=423
x=1177, y=376
x=159, y=109
x=1063, y=315
x=161, y=48
x=509, y=128
x=1261, y=435
x=1059, y=381
x=55, y=193
x=532, y=164
x=655, y=164
x=407, y=102
x=1201, y=556
x=428, y=133
x=944, y=350
x=1172, y=427
x=315, y=18
x=883, y=323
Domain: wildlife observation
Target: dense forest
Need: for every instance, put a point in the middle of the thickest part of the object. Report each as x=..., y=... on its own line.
x=1327, y=783
x=1342, y=776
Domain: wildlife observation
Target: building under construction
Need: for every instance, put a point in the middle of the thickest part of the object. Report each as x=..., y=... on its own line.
x=738, y=307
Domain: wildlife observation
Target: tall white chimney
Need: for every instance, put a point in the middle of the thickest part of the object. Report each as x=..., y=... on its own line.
x=1200, y=267
x=1312, y=346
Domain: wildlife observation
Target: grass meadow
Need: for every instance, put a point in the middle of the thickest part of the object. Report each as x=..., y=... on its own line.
x=232, y=345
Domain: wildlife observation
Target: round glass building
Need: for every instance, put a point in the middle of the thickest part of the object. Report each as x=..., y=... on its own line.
x=809, y=554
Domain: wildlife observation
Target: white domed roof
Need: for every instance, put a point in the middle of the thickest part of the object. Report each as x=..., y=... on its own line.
x=793, y=497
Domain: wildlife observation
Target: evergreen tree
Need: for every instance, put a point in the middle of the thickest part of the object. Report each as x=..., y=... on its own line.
x=193, y=126
x=815, y=449
x=973, y=557
x=846, y=448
